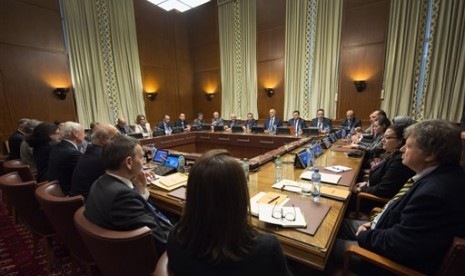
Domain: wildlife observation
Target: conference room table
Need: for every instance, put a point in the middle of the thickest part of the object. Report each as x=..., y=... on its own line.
x=312, y=250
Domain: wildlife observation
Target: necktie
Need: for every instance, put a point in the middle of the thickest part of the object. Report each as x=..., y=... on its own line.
x=297, y=125
x=402, y=192
x=319, y=124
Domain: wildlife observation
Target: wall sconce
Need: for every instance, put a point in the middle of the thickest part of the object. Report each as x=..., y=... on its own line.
x=209, y=96
x=61, y=92
x=152, y=96
x=360, y=85
x=269, y=91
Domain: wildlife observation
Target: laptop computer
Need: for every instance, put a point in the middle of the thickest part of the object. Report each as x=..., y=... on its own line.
x=326, y=143
x=206, y=127
x=158, y=132
x=257, y=129
x=218, y=128
x=283, y=130
x=136, y=135
x=177, y=130
x=236, y=129
x=333, y=138
x=311, y=131
x=164, y=163
x=301, y=159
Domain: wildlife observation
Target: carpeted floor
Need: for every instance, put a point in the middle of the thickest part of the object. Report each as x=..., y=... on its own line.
x=16, y=257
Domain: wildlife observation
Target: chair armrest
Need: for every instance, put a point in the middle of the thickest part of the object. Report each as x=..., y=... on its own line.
x=375, y=210
x=373, y=258
x=367, y=196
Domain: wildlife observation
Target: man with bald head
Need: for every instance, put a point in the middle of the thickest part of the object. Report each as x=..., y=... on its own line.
x=272, y=122
x=123, y=126
x=351, y=122
x=90, y=166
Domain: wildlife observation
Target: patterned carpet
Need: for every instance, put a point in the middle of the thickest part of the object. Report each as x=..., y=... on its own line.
x=16, y=257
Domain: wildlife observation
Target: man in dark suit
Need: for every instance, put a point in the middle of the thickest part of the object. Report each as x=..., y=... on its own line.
x=90, y=166
x=321, y=121
x=217, y=120
x=118, y=199
x=350, y=122
x=250, y=122
x=14, y=142
x=296, y=121
x=417, y=226
x=65, y=155
x=182, y=122
x=232, y=122
x=123, y=126
x=272, y=122
x=165, y=124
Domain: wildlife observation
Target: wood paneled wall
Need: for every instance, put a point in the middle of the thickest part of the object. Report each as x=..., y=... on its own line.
x=165, y=61
x=33, y=62
x=362, y=55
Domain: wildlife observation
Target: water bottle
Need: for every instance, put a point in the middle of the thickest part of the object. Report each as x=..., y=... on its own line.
x=349, y=138
x=316, y=182
x=181, y=163
x=310, y=158
x=245, y=166
x=154, y=151
x=278, y=165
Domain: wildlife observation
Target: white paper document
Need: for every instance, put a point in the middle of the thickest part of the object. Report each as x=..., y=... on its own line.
x=288, y=185
x=287, y=214
x=325, y=177
x=338, y=168
x=254, y=205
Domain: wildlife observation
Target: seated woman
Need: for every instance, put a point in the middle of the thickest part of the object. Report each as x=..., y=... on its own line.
x=388, y=176
x=214, y=235
x=142, y=126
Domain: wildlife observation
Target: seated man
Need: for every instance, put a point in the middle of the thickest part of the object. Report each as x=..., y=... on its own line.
x=350, y=122
x=117, y=200
x=182, y=122
x=250, y=122
x=123, y=127
x=65, y=155
x=165, y=123
x=374, y=116
x=297, y=122
x=216, y=121
x=90, y=166
x=321, y=121
x=417, y=226
x=232, y=121
x=272, y=122
x=199, y=121
x=142, y=126
x=16, y=138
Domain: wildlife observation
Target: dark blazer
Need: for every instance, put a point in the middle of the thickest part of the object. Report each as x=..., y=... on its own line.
x=301, y=122
x=218, y=122
x=264, y=258
x=161, y=125
x=14, y=142
x=41, y=155
x=350, y=125
x=88, y=169
x=389, y=177
x=179, y=123
x=277, y=122
x=327, y=123
x=124, y=130
x=250, y=124
x=62, y=161
x=418, y=228
x=234, y=123
x=113, y=205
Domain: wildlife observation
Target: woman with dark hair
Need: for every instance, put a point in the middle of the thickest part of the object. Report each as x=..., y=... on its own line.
x=44, y=136
x=388, y=176
x=214, y=235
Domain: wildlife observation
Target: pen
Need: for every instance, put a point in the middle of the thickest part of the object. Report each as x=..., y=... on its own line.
x=273, y=199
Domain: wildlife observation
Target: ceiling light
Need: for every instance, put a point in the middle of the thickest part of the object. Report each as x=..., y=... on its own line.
x=179, y=5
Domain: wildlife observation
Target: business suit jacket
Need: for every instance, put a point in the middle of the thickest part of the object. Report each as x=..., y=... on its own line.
x=277, y=122
x=88, y=169
x=113, y=205
x=264, y=258
x=250, y=124
x=418, y=228
x=124, y=130
x=301, y=123
x=218, y=122
x=41, y=155
x=353, y=124
x=234, y=123
x=389, y=177
x=161, y=125
x=327, y=123
x=179, y=123
x=14, y=142
x=62, y=161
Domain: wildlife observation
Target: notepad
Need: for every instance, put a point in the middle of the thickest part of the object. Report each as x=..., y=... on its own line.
x=171, y=182
x=334, y=193
x=338, y=168
x=325, y=177
x=265, y=197
x=266, y=215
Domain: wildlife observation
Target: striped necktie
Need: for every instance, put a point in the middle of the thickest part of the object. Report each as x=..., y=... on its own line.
x=401, y=192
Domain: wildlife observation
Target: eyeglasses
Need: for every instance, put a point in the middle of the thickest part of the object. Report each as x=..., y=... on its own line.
x=389, y=138
x=278, y=213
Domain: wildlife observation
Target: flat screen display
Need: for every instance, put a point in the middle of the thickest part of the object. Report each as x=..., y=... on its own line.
x=172, y=161
x=160, y=156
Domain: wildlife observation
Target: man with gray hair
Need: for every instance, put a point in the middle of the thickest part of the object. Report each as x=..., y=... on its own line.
x=418, y=225
x=90, y=166
x=14, y=142
x=65, y=155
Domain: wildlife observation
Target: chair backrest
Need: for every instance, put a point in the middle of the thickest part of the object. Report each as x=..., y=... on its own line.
x=23, y=170
x=118, y=252
x=162, y=268
x=3, y=158
x=60, y=211
x=454, y=260
x=21, y=195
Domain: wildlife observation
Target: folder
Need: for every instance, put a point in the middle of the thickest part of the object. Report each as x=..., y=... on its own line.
x=171, y=182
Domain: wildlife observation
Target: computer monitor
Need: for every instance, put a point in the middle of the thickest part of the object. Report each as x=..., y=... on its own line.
x=311, y=131
x=177, y=130
x=206, y=127
x=318, y=150
x=160, y=156
x=326, y=143
x=172, y=161
x=333, y=138
x=301, y=159
x=218, y=128
x=283, y=130
x=236, y=129
x=158, y=132
x=257, y=129
x=136, y=135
